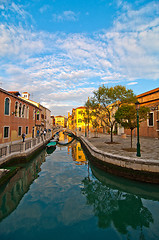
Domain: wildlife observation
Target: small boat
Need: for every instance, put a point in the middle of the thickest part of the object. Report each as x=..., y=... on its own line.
x=50, y=150
x=51, y=144
x=70, y=134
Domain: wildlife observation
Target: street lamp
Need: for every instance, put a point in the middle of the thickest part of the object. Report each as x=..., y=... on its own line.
x=137, y=104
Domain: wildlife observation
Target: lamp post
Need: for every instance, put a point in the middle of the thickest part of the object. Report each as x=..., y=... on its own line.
x=137, y=104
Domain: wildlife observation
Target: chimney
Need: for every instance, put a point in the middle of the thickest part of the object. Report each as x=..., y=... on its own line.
x=26, y=95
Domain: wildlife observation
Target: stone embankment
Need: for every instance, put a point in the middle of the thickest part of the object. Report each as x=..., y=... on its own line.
x=114, y=159
x=21, y=150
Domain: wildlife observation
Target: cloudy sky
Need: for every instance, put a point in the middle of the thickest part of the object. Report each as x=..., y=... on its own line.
x=61, y=50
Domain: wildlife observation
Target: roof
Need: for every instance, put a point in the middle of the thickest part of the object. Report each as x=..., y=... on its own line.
x=81, y=108
x=16, y=93
x=17, y=97
x=59, y=116
x=148, y=93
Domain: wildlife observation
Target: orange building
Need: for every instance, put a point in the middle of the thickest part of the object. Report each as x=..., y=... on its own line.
x=150, y=127
x=17, y=116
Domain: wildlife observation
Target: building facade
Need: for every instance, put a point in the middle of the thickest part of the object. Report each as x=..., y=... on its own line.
x=150, y=128
x=44, y=116
x=17, y=116
x=61, y=121
x=80, y=120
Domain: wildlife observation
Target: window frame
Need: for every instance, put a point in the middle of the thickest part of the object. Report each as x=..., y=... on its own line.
x=19, y=127
x=148, y=121
x=4, y=132
x=16, y=109
x=26, y=130
x=8, y=106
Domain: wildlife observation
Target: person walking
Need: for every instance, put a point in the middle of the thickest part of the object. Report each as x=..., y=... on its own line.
x=44, y=133
x=23, y=136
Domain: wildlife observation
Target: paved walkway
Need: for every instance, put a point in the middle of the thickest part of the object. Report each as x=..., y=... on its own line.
x=121, y=146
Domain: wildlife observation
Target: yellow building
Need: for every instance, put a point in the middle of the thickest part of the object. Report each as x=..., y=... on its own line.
x=80, y=120
x=61, y=121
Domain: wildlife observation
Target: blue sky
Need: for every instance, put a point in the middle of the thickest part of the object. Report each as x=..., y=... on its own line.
x=60, y=51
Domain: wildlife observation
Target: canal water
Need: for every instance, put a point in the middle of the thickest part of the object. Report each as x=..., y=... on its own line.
x=60, y=195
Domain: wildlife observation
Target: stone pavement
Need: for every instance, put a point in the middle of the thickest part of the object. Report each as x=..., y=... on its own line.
x=121, y=146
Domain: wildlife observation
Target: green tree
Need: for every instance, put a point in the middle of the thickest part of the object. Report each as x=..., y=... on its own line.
x=106, y=101
x=126, y=115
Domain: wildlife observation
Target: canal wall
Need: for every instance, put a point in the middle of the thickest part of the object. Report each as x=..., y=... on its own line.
x=22, y=150
x=133, y=168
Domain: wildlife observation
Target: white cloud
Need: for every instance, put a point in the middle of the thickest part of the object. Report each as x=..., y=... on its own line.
x=2, y=7
x=132, y=83
x=18, y=42
x=66, y=16
x=54, y=66
x=44, y=8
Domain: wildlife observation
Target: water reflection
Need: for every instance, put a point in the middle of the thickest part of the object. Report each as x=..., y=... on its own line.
x=114, y=206
x=72, y=200
x=78, y=154
x=74, y=148
x=12, y=192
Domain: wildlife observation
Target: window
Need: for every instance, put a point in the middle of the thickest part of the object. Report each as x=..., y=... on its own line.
x=20, y=110
x=79, y=120
x=19, y=131
x=150, y=120
x=6, y=132
x=26, y=130
x=6, y=110
x=34, y=114
x=38, y=115
x=16, y=109
x=23, y=111
x=27, y=113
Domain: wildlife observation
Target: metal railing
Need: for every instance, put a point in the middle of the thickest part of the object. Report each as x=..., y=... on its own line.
x=23, y=146
x=3, y=151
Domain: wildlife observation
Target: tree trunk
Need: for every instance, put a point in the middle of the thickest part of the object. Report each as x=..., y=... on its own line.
x=111, y=132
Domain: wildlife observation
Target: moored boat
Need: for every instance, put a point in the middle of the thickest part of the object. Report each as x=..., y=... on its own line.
x=51, y=144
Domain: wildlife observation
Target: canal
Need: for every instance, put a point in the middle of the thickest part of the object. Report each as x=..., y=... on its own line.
x=60, y=195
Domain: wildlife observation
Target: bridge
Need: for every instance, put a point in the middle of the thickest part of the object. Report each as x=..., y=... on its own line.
x=67, y=131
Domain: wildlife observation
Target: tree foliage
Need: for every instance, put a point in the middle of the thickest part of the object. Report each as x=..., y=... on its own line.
x=126, y=115
x=107, y=100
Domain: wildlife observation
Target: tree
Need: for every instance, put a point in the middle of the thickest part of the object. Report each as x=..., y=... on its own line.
x=106, y=101
x=126, y=115
x=95, y=125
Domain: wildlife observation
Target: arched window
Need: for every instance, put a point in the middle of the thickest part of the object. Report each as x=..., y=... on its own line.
x=34, y=114
x=7, y=106
x=20, y=110
x=27, y=113
x=16, y=109
x=23, y=111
